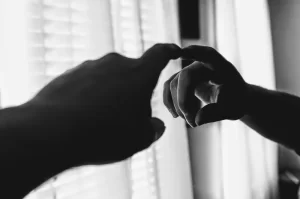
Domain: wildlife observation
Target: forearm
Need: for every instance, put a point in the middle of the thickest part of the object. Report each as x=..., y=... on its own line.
x=27, y=159
x=274, y=114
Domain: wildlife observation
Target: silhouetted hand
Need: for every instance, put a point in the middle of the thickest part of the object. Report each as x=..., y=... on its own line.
x=107, y=102
x=211, y=81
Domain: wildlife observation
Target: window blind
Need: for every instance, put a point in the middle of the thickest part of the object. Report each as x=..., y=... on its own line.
x=58, y=40
x=134, y=23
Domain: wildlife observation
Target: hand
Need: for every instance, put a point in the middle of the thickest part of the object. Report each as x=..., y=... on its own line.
x=107, y=102
x=208, y=90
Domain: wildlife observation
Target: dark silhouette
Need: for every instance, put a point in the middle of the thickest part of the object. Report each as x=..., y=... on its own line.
x=96, y=113
x=214, y=81
x=99, y=112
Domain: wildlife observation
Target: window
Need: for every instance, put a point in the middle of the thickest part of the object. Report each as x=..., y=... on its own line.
x=57, y=40
x=135, y=30
x=59, y=34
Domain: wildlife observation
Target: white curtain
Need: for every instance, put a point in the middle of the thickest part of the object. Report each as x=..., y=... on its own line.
x=249, y=162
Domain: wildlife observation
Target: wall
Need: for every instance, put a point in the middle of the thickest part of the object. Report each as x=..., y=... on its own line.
x=285, y=15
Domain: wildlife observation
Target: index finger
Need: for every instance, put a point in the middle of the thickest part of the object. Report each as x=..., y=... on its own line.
x=205, y=54
x=158, y=56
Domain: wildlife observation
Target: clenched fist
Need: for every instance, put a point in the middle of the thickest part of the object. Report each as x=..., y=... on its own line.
x=208, y=90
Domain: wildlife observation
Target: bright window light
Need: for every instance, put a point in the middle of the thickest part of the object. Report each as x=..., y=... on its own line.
x=40, y=39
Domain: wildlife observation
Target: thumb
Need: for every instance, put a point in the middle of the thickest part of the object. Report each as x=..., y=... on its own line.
x=158, y=127
x=151, y=131
x=210, y=113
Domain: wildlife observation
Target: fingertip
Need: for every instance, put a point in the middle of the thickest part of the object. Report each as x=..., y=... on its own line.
x=174, y=114
x=189, y=48
x=177, y=51
x=168, y=50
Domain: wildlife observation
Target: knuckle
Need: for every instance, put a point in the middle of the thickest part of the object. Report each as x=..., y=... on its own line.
x=174, y=46
x=173, y=84
x=158, y=45
x=113, y=55
x=68, y=71
x=184, y=74
x=84, y=65
x=87, y=62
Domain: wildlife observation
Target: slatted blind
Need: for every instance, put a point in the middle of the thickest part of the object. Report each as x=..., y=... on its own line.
x=57, y=41
x=135, y=30
x=58, y=36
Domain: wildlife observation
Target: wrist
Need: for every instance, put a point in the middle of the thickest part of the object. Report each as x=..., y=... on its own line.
x=250, y=98
x=29, y=153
